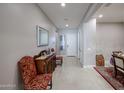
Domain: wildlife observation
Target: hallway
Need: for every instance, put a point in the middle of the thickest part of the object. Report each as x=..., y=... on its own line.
x=72, y=76
x=77, y=30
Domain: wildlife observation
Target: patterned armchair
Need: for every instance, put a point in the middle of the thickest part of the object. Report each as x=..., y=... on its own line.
x=29, y=75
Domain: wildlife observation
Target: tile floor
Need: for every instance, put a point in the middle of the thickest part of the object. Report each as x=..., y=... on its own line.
x=72, y=77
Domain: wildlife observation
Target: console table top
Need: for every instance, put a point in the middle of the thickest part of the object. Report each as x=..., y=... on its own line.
x=44, y=57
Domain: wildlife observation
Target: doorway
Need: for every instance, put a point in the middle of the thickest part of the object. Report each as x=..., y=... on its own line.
x=71, y=43
x=68, y=42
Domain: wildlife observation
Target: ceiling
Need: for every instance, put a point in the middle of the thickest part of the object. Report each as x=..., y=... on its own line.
x=71, y=14
x=111, y=13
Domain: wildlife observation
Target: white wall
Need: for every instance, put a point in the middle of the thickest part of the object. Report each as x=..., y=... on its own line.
x=87, y=43
x=89, y=29
x=100, y=38
x=109, y=37
x=18, y=38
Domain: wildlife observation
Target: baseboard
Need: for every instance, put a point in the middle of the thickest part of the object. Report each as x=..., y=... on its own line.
x=89, y=66
x=71, y=56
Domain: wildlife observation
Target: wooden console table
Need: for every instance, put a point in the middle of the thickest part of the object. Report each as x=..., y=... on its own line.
x=118, y=62
x=45, y=64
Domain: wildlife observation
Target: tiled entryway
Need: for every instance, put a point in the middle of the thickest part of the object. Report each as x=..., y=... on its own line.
x=72, y=76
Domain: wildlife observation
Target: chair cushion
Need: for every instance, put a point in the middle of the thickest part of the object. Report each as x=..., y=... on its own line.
x=39, y=82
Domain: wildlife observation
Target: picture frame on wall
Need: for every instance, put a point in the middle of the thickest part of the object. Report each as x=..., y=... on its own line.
x=42, y=36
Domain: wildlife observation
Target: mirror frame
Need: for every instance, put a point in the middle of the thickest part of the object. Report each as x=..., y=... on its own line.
x=38, y=29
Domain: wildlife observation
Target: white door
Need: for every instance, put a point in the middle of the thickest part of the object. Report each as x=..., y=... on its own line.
x=71, y=43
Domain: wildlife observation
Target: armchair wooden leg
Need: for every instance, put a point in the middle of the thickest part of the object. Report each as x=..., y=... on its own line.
x=50, y=85
x=115, y=69
x=115, y=72
x=61, y=62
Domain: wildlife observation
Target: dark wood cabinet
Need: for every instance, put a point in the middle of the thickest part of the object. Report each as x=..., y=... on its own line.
x=45, y=64
x=118, y=60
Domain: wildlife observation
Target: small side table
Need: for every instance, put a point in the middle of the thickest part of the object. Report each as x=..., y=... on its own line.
x=59, y=58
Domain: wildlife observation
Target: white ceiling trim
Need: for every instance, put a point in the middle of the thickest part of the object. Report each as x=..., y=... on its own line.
x=112, y=13
x=46, y=16
x=75, y=13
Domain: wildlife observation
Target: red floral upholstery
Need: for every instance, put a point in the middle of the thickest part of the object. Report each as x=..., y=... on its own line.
x=29, y=75
x=39, y=82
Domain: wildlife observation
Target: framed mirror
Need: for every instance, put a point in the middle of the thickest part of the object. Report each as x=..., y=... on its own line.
x=42, y=36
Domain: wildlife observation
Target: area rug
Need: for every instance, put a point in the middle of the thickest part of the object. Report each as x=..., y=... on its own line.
x=108, y=74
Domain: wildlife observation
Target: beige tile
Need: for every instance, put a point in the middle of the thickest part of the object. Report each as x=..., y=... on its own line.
x=72, y=76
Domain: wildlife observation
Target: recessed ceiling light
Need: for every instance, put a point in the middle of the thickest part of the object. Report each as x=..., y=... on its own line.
x=63, y=4
x=66, y=25
x=100, y=16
